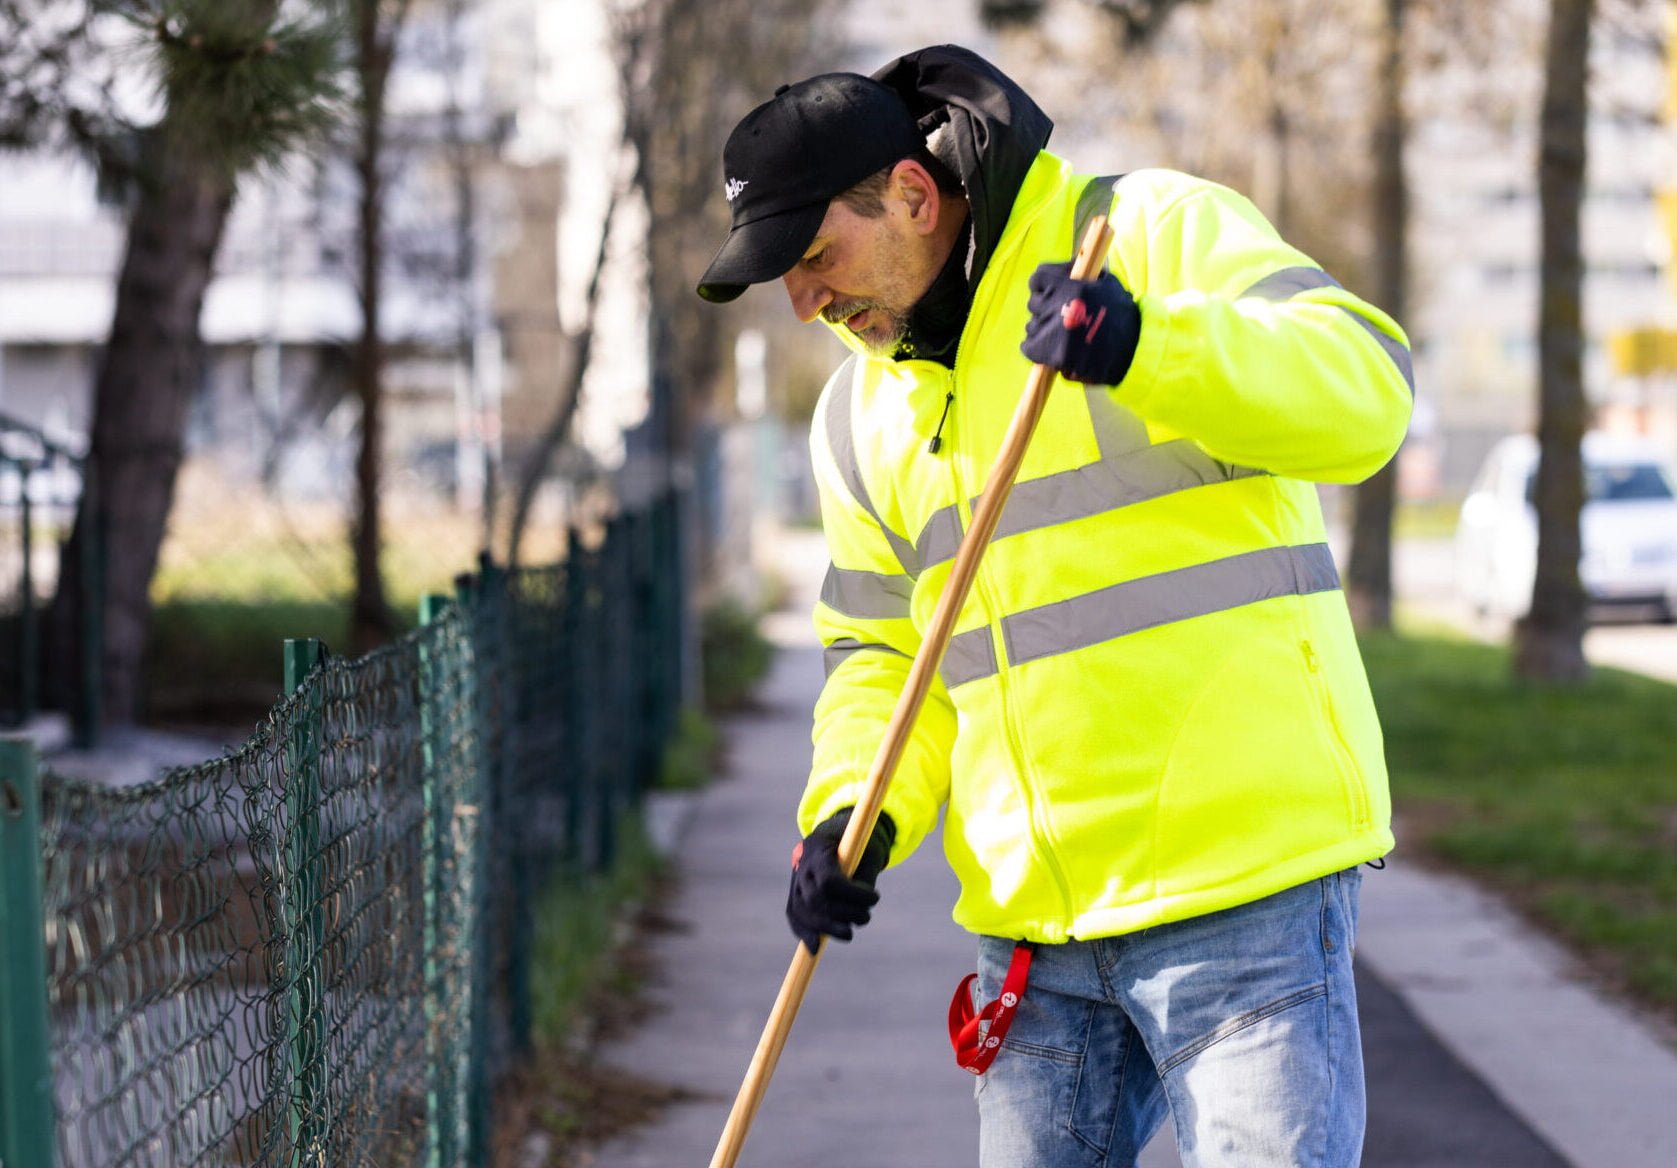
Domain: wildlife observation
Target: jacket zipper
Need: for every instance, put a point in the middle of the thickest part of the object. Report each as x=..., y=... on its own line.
x=1353, y=778
x=1013, y=730
x=936, y=443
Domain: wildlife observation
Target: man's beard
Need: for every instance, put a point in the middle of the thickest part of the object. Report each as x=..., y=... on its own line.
x=877, y=343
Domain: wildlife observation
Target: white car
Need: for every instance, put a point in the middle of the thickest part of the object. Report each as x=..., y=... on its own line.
x=1629, y=528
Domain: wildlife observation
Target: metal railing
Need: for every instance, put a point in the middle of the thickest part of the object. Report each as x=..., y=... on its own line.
x=42, y=483
x=316, y=950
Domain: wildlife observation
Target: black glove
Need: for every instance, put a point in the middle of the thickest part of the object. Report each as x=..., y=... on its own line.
x=1086, y=329
x=821, y=900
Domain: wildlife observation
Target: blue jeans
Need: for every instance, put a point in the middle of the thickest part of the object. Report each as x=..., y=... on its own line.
x=1244, y=1021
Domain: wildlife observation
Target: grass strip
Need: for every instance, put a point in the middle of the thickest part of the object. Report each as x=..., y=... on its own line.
x=1565, y=798
x=577, y=928
x=220, y=660
x=691, y=756
x=588, y=963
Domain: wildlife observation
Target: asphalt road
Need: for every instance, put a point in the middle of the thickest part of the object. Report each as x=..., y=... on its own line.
x=1427, y=1110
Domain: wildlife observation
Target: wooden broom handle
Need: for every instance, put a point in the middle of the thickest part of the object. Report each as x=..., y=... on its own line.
x=984, y=518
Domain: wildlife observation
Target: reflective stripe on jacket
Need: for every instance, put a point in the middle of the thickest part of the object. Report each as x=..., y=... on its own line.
x=1153, y=706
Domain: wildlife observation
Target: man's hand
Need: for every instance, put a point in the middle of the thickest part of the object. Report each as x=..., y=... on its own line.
x=1086, y=329
x=821, y=899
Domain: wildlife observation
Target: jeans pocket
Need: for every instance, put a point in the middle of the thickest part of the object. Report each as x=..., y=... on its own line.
x=1034, y=1100
x=1241, y=1022
x=1036, y=1085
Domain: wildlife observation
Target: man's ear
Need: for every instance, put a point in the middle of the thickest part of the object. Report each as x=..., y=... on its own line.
x=914, y=185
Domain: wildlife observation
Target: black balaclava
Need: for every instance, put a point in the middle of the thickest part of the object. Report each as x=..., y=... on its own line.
x=990, y=132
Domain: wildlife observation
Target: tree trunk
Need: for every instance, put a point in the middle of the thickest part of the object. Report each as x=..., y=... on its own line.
x=1549, y=640
x=371, y=621
x=142, y=390
x=1369, y=571
x=1272, y=179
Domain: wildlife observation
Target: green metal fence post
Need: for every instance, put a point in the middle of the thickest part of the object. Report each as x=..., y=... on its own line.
x=491, y=688
x=304, y=915
x=574, y=758
x=26, y=1105
x=29, y=639
x=671, y=597
x=643, y=635
x=683, y=550
x=609, y=708
x=434, y=834
x=658, y=650
x=626, y=753
x=657, y=618
x=535, y=785
x=92, y=594
x=606, y=697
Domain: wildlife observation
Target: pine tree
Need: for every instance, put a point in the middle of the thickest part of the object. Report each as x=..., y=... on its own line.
x=241, y=87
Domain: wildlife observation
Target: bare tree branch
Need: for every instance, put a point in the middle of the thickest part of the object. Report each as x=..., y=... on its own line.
x=581, y=345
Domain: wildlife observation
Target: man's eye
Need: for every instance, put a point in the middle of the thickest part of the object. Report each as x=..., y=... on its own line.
x=818, y=260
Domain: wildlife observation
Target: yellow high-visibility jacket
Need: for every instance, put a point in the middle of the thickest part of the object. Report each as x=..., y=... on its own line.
x=1153, y=706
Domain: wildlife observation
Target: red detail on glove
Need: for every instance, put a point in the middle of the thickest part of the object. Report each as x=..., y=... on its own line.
x=797, y=854
x=1094, y=325
x=1074, y=314
x=976, y=1045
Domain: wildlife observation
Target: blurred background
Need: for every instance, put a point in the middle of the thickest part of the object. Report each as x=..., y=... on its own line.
x=321, y=301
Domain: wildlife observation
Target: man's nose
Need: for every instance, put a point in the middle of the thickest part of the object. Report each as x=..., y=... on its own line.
x=809, y=295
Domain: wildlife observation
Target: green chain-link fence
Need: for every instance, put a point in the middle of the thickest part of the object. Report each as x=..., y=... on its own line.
x=315, y=951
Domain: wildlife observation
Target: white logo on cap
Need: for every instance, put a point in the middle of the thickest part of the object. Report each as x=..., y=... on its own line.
x=734, y=187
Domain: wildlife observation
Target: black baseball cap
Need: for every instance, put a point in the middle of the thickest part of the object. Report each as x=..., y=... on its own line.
x=786, y=160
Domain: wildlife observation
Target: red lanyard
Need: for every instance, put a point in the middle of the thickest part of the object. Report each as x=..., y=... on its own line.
x=976, y=1044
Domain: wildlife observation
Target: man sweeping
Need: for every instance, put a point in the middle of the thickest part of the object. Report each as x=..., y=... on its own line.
x=1151, y=734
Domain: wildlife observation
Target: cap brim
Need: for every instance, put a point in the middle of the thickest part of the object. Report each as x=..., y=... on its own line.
x=764, y=249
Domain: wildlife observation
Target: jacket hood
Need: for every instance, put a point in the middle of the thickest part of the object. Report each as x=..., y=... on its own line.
x=995, y=130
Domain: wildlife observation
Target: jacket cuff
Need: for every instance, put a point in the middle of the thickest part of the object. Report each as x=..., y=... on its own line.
x=1147, y=365
x=910, y=819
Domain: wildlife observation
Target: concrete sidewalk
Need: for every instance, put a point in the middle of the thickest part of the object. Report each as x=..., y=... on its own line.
x=1537, y=1071
x=866, y=1077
